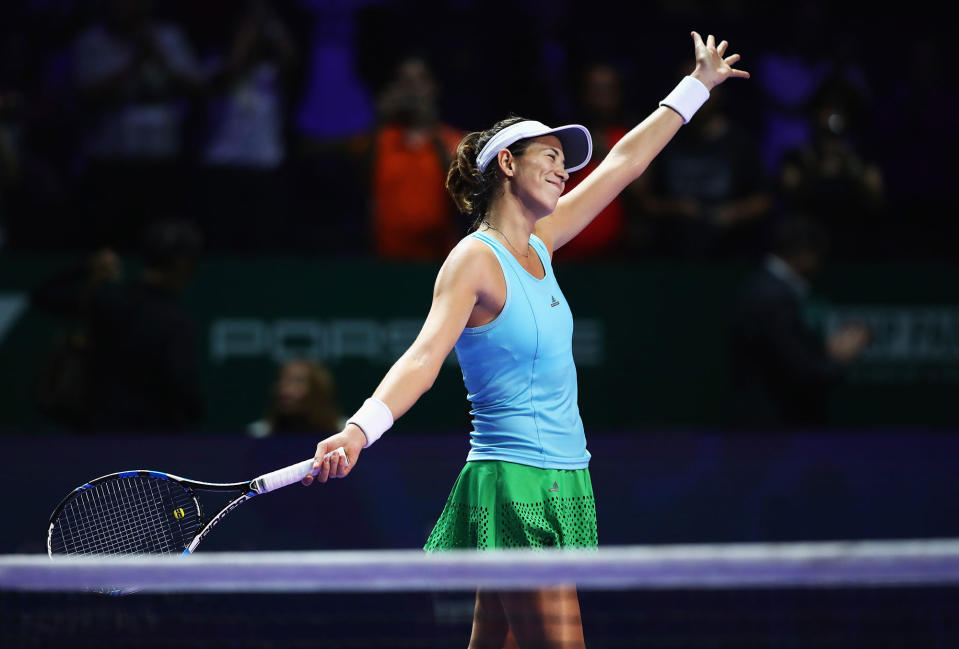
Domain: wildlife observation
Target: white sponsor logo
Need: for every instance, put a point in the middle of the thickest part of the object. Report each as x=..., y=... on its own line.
x=903, y=334
x=341, y=338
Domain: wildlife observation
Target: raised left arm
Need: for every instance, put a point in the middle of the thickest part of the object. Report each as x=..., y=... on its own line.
x=633, y=153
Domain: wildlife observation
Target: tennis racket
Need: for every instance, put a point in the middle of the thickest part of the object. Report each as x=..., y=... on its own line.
x=150, y=512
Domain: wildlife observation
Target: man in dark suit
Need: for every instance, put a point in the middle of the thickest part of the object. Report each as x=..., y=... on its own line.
x=782, y=370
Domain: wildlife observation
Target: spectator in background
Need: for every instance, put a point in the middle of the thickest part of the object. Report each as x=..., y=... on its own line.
x=832, y=178
x=409, y=153
x=38, y=113
x=782, y=371
x=9, y=156
x=601, y=99
x=788, y=72
x=918, y=162
x=141, y=353
x=242, y=183
x=304, y=400
x=335, y=104
x=334, y=109
x=14, y=56
x=134, y=76
x=705, y=195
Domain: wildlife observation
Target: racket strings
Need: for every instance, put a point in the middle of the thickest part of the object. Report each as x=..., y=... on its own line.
x=126, y=516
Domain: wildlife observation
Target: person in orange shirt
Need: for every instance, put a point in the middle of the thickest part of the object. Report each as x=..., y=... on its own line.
x=413, y=217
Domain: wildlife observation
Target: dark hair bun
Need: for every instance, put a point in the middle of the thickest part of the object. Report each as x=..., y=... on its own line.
x=464, y=178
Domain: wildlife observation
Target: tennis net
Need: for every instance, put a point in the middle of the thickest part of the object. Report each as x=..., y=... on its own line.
x=830, y=594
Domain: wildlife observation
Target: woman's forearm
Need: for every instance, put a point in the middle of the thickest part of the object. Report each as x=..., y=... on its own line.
x=411, y=376
x=643, y=143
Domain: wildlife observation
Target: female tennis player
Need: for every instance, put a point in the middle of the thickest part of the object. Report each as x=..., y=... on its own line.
x=496, y=300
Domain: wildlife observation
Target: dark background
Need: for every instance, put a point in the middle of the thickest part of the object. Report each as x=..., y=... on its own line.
x=491, y=59
x=650, y=488
x=654, y=409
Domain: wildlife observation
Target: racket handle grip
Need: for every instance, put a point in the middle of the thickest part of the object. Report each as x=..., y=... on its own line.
x=288, y=475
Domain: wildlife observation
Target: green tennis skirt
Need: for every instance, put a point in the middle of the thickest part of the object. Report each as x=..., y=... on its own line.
x=497, y=504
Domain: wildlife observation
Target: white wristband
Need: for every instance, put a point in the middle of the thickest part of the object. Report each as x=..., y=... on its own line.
x=687, y=97
x=374, y=418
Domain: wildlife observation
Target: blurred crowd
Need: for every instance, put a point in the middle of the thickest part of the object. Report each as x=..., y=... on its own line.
x=315, y=127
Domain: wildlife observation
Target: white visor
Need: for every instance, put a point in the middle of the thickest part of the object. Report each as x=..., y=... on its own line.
x=577, y=144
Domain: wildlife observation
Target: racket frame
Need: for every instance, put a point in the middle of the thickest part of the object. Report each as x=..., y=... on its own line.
x=246, y=490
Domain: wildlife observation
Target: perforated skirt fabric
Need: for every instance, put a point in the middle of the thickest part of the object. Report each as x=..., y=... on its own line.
x=496, y=504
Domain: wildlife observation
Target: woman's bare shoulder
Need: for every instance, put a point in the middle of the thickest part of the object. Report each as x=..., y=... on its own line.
x=472, y=252
x=470, y=261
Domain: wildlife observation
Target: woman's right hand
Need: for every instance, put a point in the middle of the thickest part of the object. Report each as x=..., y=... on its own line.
x=328, y=465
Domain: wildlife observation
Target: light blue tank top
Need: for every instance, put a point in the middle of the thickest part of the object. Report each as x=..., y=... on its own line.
x=519, y=372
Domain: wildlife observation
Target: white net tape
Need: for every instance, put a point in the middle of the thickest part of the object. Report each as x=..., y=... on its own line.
x=833, y=564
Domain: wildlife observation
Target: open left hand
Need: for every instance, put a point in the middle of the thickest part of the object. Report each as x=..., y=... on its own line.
x=712, y=65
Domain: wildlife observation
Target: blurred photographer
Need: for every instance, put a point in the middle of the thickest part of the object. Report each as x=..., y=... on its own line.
x=409, y=153
x=833, y=177
x=242, y=185
x=135, y=76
